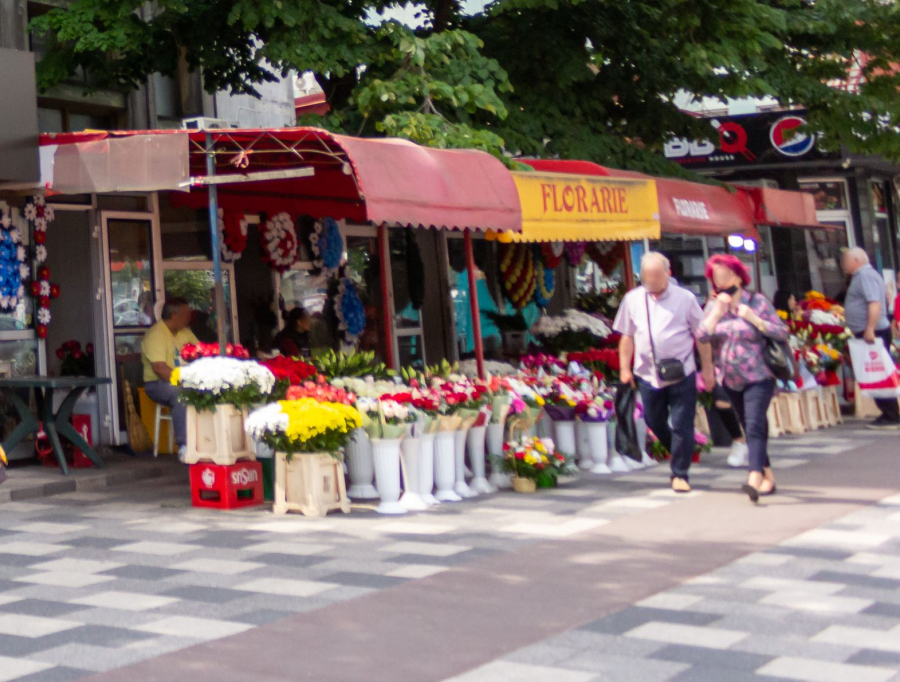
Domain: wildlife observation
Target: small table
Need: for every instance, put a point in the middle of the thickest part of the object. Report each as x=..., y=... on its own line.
x=55, y=425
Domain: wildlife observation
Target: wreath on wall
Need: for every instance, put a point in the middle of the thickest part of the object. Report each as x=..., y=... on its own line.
x=279, y=242
x=607, y=255
x=517, y=273
x=232, y=235
x=350, y=312
x=39, y=214
x=552, y=253
x=327, y=244
x=546, y=284
x=13, y=268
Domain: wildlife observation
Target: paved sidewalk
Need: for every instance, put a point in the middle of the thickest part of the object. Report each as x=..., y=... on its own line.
x=99, y=581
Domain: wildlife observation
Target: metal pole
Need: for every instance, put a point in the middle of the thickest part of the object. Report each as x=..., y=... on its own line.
x=213, y=195
x=473, y=303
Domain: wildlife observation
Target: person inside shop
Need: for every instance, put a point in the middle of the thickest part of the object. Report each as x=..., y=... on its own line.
x=293, y=341
x=737, y=324
x=865, y=308
x=786, y=304
x=160, y=354
x=659, y=323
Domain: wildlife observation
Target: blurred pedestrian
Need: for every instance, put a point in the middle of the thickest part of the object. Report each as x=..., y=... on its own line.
x=738, y=323
x=293, y=341
x=786, y=304
x=659, y=323
x=865, y=309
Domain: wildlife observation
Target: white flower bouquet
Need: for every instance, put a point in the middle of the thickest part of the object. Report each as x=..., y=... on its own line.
x=212, y=381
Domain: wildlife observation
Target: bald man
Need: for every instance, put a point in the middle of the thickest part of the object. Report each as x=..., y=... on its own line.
x=866, y=311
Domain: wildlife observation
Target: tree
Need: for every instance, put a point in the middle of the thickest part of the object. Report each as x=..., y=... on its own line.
x=592, y=79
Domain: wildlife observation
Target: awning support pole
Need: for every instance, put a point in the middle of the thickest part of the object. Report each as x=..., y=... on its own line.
x=473, y=303
x=213, y=194
x=629, y=266
x=384, y=252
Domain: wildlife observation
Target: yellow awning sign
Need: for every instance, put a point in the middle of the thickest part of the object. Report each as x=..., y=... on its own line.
x=560, y=207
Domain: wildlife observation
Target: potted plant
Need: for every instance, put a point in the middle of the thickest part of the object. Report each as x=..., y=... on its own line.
x=218, y=391
x=307, y=437
x=594, y=415
x=529, y=461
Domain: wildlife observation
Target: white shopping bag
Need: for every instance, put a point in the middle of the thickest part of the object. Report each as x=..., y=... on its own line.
x=807, y=381
x=874, y=369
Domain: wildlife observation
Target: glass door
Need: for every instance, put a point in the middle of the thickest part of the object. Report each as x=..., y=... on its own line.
x=131, y=246
x=193, y=280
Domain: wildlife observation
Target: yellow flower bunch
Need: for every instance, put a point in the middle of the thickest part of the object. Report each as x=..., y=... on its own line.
x=783, y=314
x=828, y=351
x=814, y=296
x=308, y=418
x=175, y=376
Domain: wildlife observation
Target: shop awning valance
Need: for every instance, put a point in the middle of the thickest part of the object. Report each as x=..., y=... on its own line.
x=571, y=207
x=363, y=180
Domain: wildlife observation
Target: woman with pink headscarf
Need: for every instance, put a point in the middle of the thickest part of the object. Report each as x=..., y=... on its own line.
x=737, y=324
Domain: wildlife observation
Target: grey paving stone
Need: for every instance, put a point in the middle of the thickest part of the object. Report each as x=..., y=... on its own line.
x=6, y=585
x=262, y=616
x=39, y=607
x=97, y=635
x=812, y=552
x=12, y=646
x=135, y=572
x=886, y=609
x=612, y=668
x=213, y=595
x=632, y=617
x=884, y=659
x=226, y=539
x=707, y=673
x=454, y=560
x=57, y=674
x=603, y=643
x=94, y=542
x=703, y=656
x=856, y=580
x=363, y=580
x=290, y=560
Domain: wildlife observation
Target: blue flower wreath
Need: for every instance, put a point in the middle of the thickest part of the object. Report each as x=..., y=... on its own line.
x=328, y=244
x=350, y=310
x=10, y=273
x=546, y=284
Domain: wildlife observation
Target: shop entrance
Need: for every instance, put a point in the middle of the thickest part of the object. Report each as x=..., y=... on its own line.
x=194, y=281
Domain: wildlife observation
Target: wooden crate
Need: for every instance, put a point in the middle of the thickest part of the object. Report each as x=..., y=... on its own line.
x=865, y=406
x=813, y=409
x=774, y=417
x=832, y=405
x=792, y=415
x=312, y=484
x=217, y=436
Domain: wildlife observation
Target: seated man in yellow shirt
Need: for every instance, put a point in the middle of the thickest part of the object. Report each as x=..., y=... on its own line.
x=160, y=354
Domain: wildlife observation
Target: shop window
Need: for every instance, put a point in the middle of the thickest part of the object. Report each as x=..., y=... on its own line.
x=830, y=195
x=364, y=266
x=688, y=258
x=196, y=285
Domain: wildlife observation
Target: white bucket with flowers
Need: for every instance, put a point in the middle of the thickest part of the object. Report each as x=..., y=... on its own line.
x=218, y=392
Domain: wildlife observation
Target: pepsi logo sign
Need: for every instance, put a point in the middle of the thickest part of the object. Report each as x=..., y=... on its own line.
x=788, y=142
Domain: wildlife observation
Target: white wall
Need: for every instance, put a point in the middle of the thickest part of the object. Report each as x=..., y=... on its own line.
x=274, y=110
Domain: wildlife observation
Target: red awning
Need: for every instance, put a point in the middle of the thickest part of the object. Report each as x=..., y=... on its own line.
x=784, y=208
x=363, y=180
x=684, y=207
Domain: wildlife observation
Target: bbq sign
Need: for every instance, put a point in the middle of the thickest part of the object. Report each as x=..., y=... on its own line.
x=749, y=140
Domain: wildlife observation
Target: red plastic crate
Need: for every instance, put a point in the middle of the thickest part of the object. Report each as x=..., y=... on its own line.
x=82, y=424
x=230, y=486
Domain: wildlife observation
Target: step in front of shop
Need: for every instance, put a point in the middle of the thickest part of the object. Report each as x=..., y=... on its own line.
x=32, y=482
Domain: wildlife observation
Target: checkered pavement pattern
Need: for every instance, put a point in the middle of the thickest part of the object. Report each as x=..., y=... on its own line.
x=98, y=579
x=823, y=607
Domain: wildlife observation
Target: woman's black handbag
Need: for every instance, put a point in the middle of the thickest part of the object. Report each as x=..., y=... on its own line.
x=779, y=358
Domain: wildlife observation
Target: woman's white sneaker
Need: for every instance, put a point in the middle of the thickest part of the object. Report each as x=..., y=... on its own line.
x=739, y=455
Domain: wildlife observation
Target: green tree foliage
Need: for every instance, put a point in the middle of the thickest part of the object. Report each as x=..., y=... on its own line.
x=593, y=79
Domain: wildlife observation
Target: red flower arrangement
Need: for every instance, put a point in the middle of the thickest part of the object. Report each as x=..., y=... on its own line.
x=292, y=371
x=604, y=362
x=195, y=351
x=321, y=391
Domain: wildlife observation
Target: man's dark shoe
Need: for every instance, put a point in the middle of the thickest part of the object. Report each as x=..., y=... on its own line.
x=883, y=422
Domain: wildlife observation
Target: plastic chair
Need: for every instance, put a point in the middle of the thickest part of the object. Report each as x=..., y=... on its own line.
x=163, y=416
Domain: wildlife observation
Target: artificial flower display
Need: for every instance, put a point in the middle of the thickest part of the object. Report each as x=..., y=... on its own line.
x=195, y=351
x=327, y=244
x=322, y=391
x=303, y=426
x=603, y=362
x=208, y=382
x=279, y=242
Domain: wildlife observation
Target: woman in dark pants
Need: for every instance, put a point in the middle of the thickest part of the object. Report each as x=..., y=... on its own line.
x=737, y=324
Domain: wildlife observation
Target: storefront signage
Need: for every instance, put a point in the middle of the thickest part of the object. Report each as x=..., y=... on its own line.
x=749, y=140
x=689, y=208
x=586, y=207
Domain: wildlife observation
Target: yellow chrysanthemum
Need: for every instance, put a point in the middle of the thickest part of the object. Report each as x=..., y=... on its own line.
x=175, y=376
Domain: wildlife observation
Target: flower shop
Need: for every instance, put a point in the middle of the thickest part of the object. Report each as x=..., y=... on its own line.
x=445, y=362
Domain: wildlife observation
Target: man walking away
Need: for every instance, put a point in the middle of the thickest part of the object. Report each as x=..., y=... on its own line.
x=865, y=307
x=659, y=322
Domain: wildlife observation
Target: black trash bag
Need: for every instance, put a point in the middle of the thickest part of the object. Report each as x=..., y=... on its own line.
x=626, y=430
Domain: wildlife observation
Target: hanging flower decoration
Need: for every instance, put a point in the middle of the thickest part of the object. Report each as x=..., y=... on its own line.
x=40, y=215
x=607, y=255
x=552, y=253
x=546, y=285
x=350, y=311
x=327, y=244
x=575, y=252
x=518, y=274
x=279, y=242
x=43, y=291
x=232, y=235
